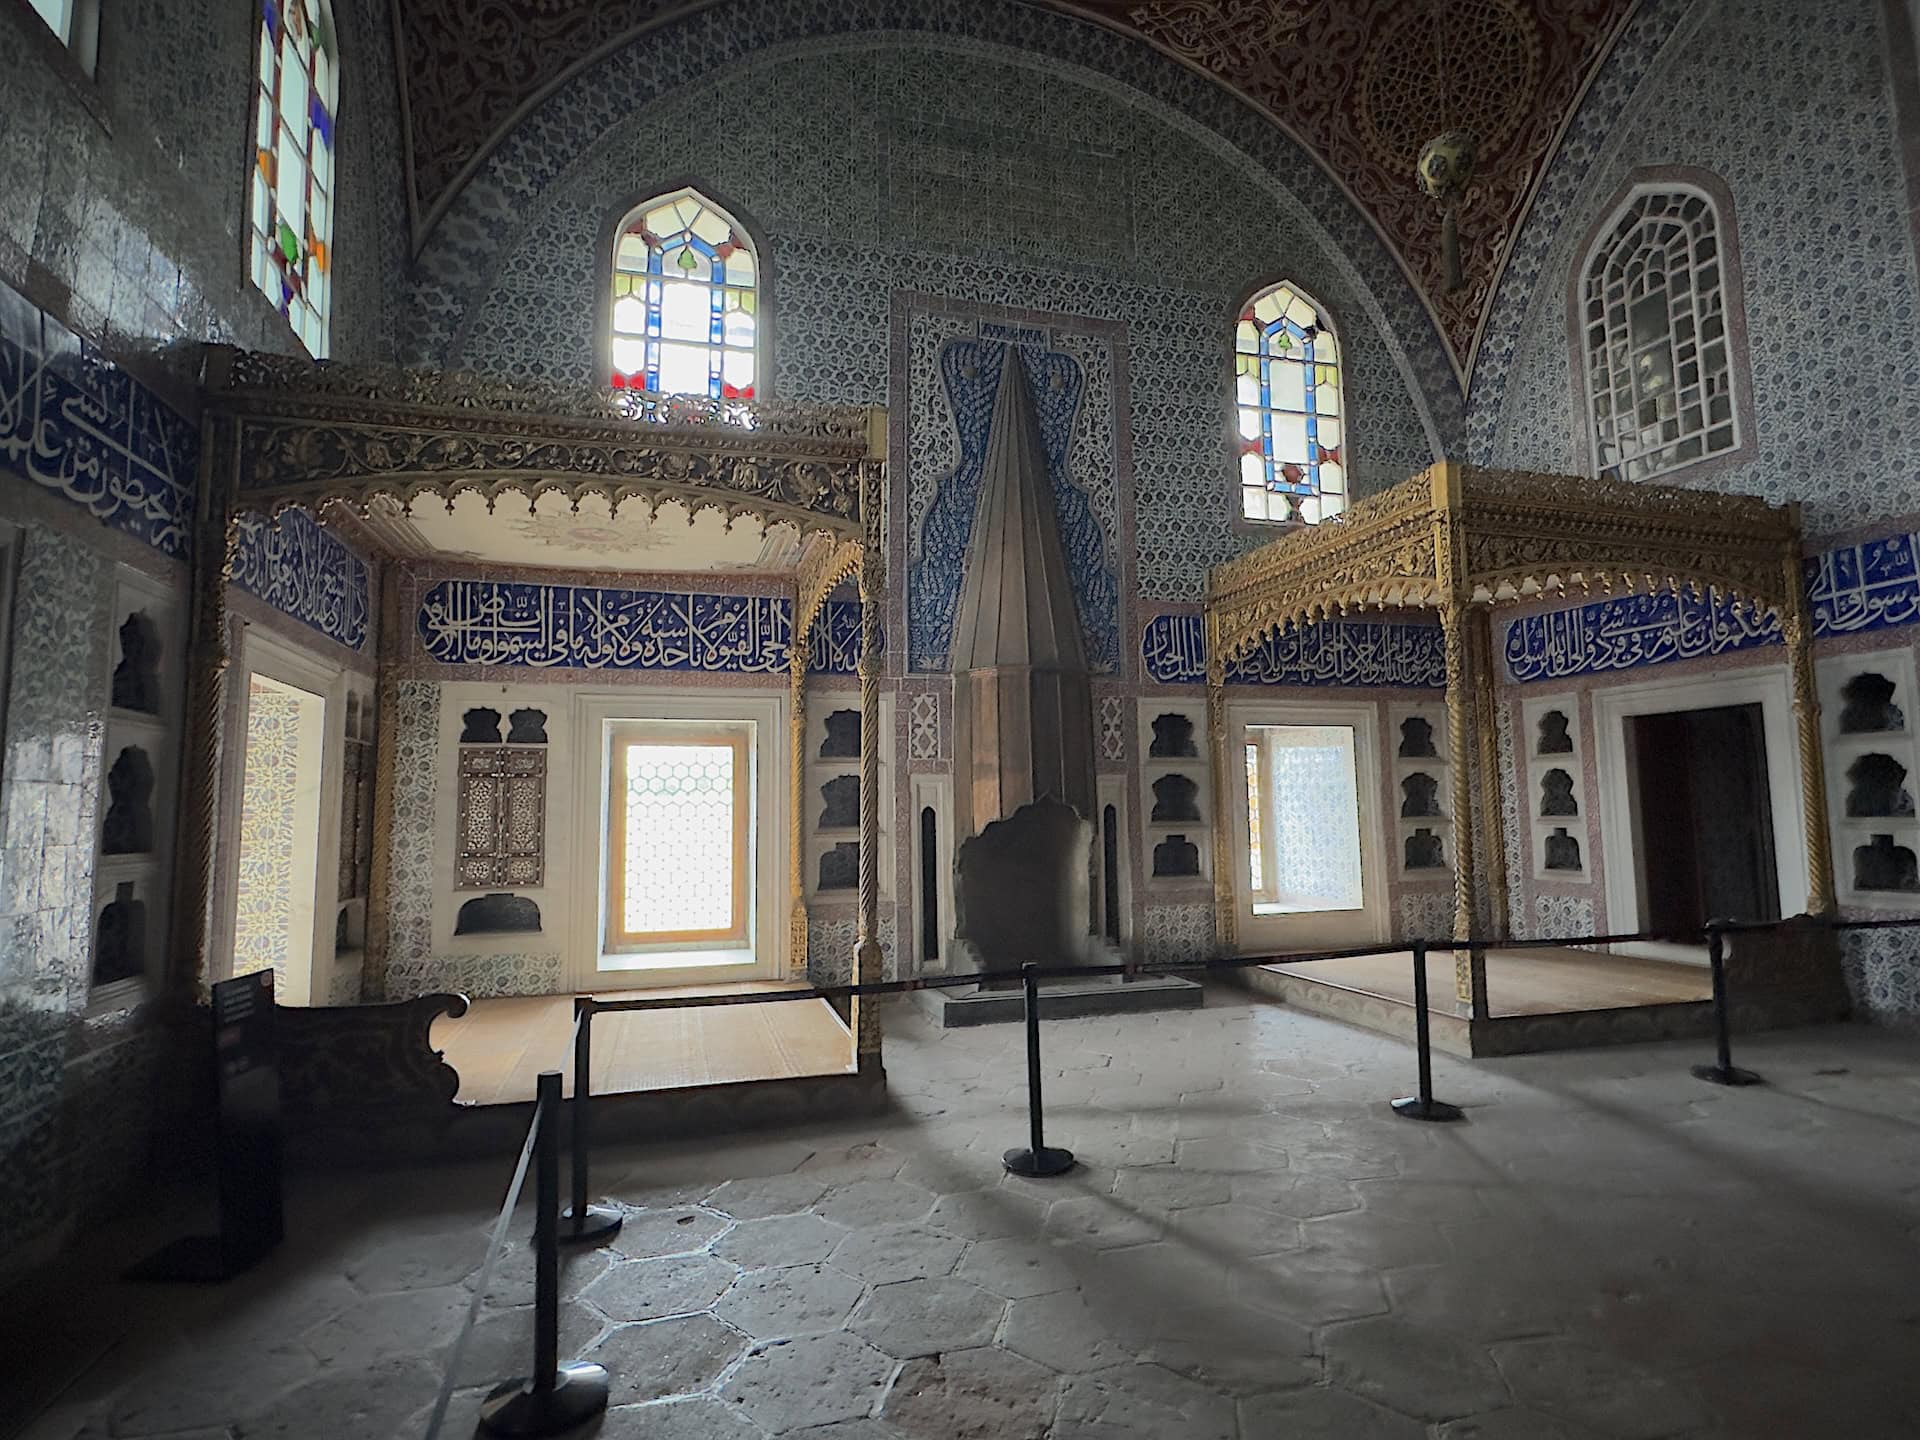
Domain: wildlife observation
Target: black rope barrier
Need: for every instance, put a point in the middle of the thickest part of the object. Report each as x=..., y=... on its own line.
x=1723, y=1071
x=1038, y=1161
x=553, y=1398
x=587, y=1223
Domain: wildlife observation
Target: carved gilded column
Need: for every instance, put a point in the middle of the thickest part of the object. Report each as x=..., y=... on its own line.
x=1226, y=916
x=1797, y=627
x=1492, y=815
x=1450, y=570
x=207, y=660
x=797, y=830
x=390, y=650
x=869, y=961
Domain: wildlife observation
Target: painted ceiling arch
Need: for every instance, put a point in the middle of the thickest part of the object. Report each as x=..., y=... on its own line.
x=1360, y=86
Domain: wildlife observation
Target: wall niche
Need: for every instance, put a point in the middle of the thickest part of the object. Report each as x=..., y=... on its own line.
x=480, y=726
x=1553, y=736
x=1176, y=856
x=1867, y=705
x=1556, y=794
x=128, y=828
x=843, y=736
x=1420, y=795
x=841, y=810
x=1424, y=851
x=527, y=727
x=1416, y=740
x=1172, y=738
x=497, y=914
x=136, y=678
x=840, y=867
x=1562, y=850
x=120, y=938
x=1175, y=798
x=1875, y=787
x=1882, y=865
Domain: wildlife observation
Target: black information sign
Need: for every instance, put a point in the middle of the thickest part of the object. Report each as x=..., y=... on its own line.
x=247, y=1091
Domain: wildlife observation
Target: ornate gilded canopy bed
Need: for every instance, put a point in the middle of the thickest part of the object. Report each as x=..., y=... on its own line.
x=1459, y=540
x=283, y=434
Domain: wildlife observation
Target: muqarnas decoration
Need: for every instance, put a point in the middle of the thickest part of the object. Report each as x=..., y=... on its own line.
x=1562, y=850
x=136, y=679
x=1416, y=739
x=1175, y=798
x=1419, y=795
x=481, y=726
x=1423, y=850
x=527, y=727
x=1556, y=793
x=840, y=866
x=1868, y=705
x=843, y=736
x=842, y=808
x=1554, y=739
x=1172, y=738
x=128, y=828
x=497, y=914
x=120, y=942
x=1883, y=865
x=1875, y=787
x=1176, y=856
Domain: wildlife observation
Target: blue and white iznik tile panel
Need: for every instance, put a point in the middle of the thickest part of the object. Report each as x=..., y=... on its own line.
x=970, y=378
x=1851, y=590
x=589, y=627
x=1173, y=651
x=303, y=570
x=75, y=424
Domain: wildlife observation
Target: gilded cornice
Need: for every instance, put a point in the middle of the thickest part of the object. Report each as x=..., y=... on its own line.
x=320, y=435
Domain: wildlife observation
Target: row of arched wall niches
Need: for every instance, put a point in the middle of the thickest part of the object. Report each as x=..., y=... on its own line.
x=132, y=836
x=1175, y=795
x=1555, y=779
x=1422, y=786
x=1871, y=758
x=839, y=865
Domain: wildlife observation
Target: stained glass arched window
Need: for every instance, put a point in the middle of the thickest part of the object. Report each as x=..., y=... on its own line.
x=1291, y=437
x=686, y=316
x=1653, y=322
x=291, y=208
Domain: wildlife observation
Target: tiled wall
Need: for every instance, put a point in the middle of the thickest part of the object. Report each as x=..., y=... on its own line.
x=263, y=905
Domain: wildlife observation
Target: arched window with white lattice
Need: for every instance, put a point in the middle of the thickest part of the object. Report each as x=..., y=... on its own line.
x=1656, y=330
x=685, y=315
x=1290, y=441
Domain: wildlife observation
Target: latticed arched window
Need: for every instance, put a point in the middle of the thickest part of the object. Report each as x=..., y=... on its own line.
x=1654, y=337
x=686, y=308
x=291, y=208
x=1286, y=379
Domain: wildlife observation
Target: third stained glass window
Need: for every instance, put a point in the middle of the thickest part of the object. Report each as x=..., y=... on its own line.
x=1291, y=444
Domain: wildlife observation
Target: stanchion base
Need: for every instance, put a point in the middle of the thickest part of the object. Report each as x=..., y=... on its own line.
x=600, y=1222
x=1047, y=1162
x=1730, y=1075
x=516, y=1409
x=1414, y=1108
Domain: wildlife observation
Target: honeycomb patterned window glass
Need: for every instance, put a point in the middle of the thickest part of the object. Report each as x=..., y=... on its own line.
x=685, y=306
x=1655, y=338
x=1289, y=439
x=679, y=844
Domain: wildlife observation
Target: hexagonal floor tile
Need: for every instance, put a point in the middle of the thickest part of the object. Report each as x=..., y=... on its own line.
x=1234, y=1230
x=1142, y=1400
x=1577, y=1382
x=766, y=1195
x=1332, y=1413
x=925, y=1317
x=798, y=1300
x=654, y=1289
x=983, y=1394
x=1062, y=1332
x=989, y=1213
x=418, y=1262
x=866, y=1203
x=382, y=1326
x=792, y=1384
x=699, y=1419
x=1310, y=1287
x=1099, y=1222
x=659, y=1359
x=1298, y=1194
x=678, y=1231
x=1428, y=1374
x=1016, y=1268
x=1170, y=1187
x=779, y=1240
x=897, y=1252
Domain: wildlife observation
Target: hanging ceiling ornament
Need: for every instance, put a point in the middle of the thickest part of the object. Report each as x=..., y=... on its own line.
x=1445, y=169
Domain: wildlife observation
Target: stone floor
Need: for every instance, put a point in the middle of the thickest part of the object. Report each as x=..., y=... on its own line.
x=1254, y=1247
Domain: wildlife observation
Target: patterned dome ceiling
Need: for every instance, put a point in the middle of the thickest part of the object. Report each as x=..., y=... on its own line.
x=1363, y=84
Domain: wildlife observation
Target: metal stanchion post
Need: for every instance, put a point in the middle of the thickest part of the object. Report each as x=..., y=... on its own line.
x=555, y=1398
x=1423, y=1106
x=1037, y=1160
x=1724, y=1071
x=585, y=1223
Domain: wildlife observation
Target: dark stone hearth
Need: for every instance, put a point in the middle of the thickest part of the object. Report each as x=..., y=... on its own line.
x=1021, y=888
x=497, y=914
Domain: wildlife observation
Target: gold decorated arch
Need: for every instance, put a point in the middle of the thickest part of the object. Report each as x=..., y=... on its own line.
x=1459, y=539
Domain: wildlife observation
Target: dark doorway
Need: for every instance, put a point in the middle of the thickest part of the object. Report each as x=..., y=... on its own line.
x=1704, y=817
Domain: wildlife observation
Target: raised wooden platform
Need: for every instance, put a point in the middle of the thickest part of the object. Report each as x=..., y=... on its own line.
x=1555, y=998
